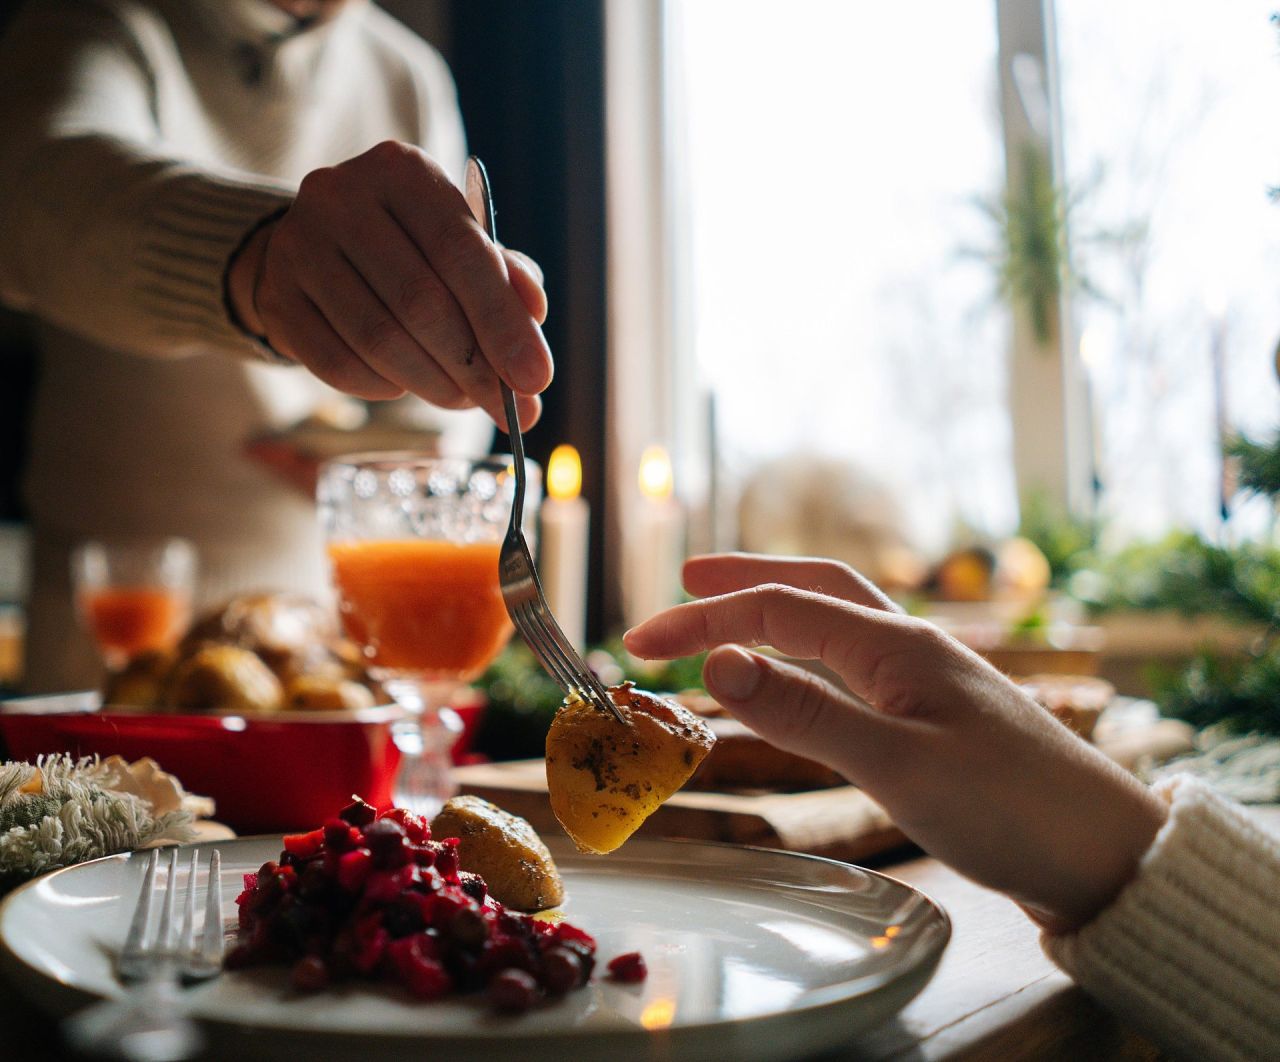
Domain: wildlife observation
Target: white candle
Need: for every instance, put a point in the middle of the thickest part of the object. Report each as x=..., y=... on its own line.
x=659, y=541
x=562, y=551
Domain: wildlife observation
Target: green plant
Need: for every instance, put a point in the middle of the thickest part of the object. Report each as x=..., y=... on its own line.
x=1259, y=464
x=1239, y=693
x=1032, y=256
x=1184, y=573
x=1067, y=542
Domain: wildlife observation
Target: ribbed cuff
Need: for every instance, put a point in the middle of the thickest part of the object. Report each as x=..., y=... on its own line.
x=1189, y=952
x=193, y=227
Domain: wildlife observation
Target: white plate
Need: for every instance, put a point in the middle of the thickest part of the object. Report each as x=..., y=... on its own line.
x=752, y=955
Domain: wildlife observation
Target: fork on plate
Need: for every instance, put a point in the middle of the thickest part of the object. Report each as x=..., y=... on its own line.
x=149, y=1022
x=521, y=588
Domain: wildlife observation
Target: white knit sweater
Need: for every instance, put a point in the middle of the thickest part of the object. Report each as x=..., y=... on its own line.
x=139, y=140
x=1190, y=950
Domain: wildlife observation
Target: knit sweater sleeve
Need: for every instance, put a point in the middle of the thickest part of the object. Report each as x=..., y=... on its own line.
x=107, y=231
x=1190, y=950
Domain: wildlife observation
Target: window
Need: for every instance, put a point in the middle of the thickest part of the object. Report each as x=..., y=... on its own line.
x=1174, y=227
x=804, y=180
x=829, y=155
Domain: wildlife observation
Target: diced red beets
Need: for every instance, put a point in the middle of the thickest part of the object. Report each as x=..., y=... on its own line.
x=416, y=961
x=309, y=974
x=629, y=968
x=358, y=813
x=415, y=826
x=447, y=860
x=339, y=836
x=413, y=950
x=375, y=896
x=387, y=841
x=427, y=979
x=353, y=869
x=473, y=885
x=445, y=905
x=370, y=951
x=565, y=931
x=304, y=845
x=561, y=971
x=238, y=957
x=502, y=953
x=468, y=929
x=385, y=886
x=513, y=990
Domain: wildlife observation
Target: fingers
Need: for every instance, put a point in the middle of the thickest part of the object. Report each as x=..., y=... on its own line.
x=526, y=278
x=406, y=285
x=365, y=325
x=797, y=711
x=529, y=410
x=875, y=652
x=384, y=250
x=436, y=216
x=304, y=335
x=724, y=573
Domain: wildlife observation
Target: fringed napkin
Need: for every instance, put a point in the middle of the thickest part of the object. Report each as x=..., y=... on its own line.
x=62, y=811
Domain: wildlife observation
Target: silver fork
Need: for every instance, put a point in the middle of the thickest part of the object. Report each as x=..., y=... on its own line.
x=521, y=588
x=149, y=1023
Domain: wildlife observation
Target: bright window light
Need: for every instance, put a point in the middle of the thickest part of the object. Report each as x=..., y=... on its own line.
x=830, y=154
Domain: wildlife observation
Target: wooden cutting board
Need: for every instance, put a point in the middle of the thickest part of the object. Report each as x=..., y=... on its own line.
x=842, y=823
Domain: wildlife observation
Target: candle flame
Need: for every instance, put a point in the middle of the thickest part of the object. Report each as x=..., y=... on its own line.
x=564, y=474
x=656, y=480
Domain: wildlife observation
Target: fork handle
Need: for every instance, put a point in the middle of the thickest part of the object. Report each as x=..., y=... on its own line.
x=517, y=445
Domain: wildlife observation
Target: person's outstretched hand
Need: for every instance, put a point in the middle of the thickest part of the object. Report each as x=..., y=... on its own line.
x=968, y=765
x=380, y=281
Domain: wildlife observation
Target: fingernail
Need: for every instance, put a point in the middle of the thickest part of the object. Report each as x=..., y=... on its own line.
x=735, y=673
x=526, y=368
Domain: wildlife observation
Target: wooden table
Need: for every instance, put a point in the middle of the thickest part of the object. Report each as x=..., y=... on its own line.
x=995, y=997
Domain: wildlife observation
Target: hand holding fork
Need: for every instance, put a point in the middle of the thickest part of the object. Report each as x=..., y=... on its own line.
x=521, y=588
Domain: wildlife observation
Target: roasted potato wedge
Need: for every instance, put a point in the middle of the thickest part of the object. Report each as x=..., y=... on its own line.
x=605, y=778
x=504, y=850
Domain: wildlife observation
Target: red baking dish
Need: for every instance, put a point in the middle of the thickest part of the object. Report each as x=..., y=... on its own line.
x=266, y=773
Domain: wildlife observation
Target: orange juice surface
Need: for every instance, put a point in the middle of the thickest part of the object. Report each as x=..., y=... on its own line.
x=128, y=620
x=420, y=605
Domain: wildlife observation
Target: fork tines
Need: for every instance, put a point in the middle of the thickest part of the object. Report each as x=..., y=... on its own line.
x=559, y=657
x=145, y=951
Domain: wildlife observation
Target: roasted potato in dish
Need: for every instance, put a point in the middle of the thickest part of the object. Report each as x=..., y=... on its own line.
x=140, y=683
x=504, y=850
x=326, y=693
x=223, y=678
x=605, y=778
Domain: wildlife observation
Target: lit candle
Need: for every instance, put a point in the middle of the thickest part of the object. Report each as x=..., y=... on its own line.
x=659, y=541
x=562, y=552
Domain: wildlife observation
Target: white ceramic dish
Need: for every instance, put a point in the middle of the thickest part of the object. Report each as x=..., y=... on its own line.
x=752, y=955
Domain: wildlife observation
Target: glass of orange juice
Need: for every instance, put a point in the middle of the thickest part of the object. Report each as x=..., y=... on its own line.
x=413, y=545
x=134, y=597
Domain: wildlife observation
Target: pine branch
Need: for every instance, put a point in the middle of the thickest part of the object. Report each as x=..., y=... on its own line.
x=1259, y=464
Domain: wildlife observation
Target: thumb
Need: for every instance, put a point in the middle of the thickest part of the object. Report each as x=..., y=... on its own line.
x=797, y=710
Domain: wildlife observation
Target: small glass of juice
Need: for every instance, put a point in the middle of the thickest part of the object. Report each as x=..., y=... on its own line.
x=134, y=597
x=413, y=545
